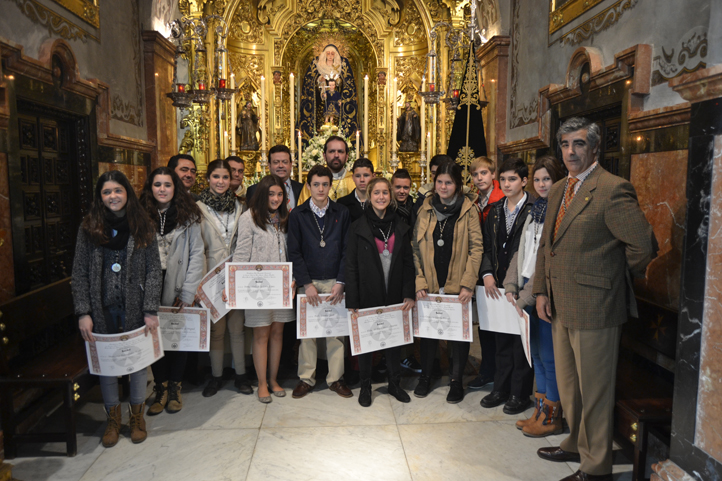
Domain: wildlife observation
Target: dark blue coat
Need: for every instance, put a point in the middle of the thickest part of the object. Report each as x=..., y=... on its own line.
x=310, y=260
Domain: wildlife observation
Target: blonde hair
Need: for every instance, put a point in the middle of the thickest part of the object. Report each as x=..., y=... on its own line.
x=370, y=188
x=482, y=162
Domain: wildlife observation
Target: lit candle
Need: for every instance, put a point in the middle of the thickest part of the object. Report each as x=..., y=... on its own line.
x=181, y=88
x=221, y=83
x=263, y=113
x=428, y=146
x=201, y=86
x=233, y=115
x=358, y=144
x=225, y=143
x=292, y=91
x=393, y=116
x=366, y=113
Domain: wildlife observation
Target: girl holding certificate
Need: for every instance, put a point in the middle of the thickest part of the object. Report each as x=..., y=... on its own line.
x=176, y=219
x=262, y=238
x=547, y=416
x=379, y=272
x=448, y=247
x=219, y=228
x=116, y=286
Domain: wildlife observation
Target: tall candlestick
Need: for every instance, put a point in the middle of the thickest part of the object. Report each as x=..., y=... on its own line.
x=292, y=91
x=428, y=146
x=423, y=117
x=263, y=113
x=300, y=155
x=225, y=143
x=366, y=113
x=393, y=116
x=358, y=144
x=233, y=115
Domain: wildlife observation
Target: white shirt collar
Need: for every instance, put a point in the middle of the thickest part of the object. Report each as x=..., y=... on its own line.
x=340, y=174
x=319, y=211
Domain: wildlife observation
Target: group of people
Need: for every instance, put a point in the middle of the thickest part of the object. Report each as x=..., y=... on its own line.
x=375, y=246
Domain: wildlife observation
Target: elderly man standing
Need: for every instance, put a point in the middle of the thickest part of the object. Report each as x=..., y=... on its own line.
x=596, y=240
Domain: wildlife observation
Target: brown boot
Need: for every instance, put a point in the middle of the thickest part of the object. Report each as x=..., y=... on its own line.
x=161, y=398
x=112, y=430
x=549, y=422
x=538, y=403
x=137, y=423
x=175, y=401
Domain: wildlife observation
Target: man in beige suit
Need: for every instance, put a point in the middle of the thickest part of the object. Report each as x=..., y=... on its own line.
x=595, y=239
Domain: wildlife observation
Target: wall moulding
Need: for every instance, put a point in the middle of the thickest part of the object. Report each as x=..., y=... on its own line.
x=700, y=85
x=660, y=118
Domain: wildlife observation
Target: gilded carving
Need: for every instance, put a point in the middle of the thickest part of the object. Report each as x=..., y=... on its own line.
x=438, y=10
x=567, y=12
x=131, y=111
x=267, y=9
x=598, y=23
x=310, y=10
x=55, y=23
x=244, y=26
x=246, y=66
x=409, y=71
x=197, y=121
x=410, y=31
x=520, y=114
x=85, y=9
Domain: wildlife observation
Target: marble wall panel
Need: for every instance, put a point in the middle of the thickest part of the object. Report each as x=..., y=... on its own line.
x=709, y=407
x=7, y=282
x=660, y=180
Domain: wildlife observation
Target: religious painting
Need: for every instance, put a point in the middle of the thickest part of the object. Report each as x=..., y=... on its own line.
x=562, y=12
x=88, y=10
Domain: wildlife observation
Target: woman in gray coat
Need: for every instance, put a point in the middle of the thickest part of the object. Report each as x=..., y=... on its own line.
x=177, y=222
x=262, y=238
x=219, y=228
x=116, y=286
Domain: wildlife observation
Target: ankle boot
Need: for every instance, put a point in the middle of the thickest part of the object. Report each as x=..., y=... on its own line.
x=396, y=391
x=538, y=404
x=112, y=430
x=137, y=423
x=364, y=397
x=161, y=398
x=175, y=401
x=549, y=421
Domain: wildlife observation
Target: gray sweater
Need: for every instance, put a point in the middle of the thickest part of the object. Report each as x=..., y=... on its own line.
x=142, y=286
x=256, y=245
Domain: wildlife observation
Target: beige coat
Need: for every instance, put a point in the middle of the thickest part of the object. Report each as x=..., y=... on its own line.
x=466, y=253
x=216, y=249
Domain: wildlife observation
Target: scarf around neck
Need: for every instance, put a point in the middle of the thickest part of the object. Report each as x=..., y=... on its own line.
x=378, y=224
x=225, y=202
x=538, y=210
x=169, y=220
x=122, y=231
x=443, y=210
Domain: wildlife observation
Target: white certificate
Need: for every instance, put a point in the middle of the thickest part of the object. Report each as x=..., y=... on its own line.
x=443, y=317
x=253, y=285
x=211, y=288
x=188, y=330
x=324, y=320
x=123, y=353
x=379, y=328
x=499, y=315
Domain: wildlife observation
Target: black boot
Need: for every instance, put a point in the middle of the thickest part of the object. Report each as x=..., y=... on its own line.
x=243, y=384
x=364, y=397
x=396, y=391
x=213, y=386
x=423, y=387
x=456, y=393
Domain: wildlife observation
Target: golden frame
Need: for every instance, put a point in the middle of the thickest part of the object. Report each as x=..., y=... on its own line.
x=560, y=16
x=87, y=10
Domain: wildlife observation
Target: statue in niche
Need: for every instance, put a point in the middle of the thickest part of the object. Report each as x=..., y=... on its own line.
x=328, y=92
x=187, y=143
x=408, y=130
x=247, y=127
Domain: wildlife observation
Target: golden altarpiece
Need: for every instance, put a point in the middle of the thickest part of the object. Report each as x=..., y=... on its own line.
x=269, y=49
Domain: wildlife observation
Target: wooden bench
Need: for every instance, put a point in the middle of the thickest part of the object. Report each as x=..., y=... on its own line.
x=61, y=369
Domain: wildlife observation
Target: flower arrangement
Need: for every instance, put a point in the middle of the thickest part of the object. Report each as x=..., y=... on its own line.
x=313, y=154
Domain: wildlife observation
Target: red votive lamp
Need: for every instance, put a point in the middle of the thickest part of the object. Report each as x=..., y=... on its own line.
x=455, y=92
x=432, y=87
x=181, y=88
x=221, y=83
x=201, y=86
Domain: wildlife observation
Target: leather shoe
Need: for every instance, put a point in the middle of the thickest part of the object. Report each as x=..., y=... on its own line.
x=301, y=390
x=494, y=399
x=423, y=387
x=516, y=405
x=582, y=476
x=558, y=455
x=480, y=381
x=340, y=388
x=456, y=393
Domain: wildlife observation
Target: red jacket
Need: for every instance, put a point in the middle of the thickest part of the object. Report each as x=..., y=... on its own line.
x=496, y=195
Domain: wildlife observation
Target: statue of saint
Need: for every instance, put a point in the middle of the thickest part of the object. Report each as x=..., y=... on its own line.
x=247, y=127
x=408, y=131
x=332, y=103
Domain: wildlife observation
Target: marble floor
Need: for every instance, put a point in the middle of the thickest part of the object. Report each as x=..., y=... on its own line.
x=320, y=437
